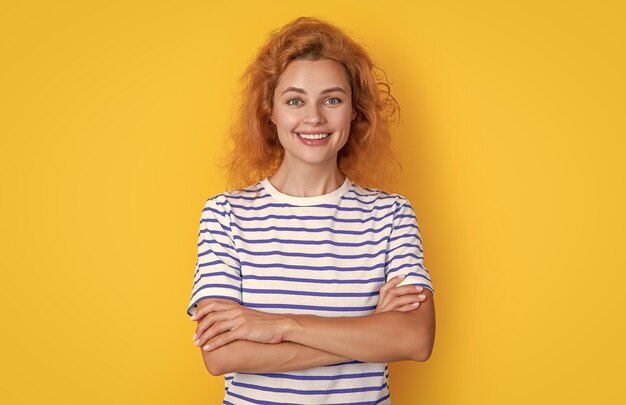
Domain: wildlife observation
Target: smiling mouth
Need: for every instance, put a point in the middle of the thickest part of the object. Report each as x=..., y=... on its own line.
x=314, y=136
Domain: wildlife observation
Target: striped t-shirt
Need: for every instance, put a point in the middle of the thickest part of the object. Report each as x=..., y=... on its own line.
x=326, y=255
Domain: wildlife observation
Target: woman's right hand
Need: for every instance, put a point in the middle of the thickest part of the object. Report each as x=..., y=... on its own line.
x=404, y=298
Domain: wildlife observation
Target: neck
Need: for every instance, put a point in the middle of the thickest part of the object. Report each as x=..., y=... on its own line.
x=305, y=180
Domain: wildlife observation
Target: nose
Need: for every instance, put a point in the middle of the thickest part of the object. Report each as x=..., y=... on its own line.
x=314, y=116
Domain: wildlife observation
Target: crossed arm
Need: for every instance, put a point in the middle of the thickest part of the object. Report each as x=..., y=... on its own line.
x=236, y=338
x=253, y=357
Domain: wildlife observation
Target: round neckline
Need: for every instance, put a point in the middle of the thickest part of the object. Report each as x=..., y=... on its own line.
x=333, y=196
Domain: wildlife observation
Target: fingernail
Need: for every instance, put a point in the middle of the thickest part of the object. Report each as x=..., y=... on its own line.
x=419, y=289
x=195, y=336
x=402, y=276
x=193, y=317
x=422, y=296
x=416, y=304
x=197, y=342
x=205, y=347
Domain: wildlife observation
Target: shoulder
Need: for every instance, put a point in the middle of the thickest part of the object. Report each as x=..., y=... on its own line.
x=376, y=196
x=224, y=202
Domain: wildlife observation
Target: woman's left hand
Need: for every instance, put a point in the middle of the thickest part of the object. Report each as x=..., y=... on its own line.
x=223, y=321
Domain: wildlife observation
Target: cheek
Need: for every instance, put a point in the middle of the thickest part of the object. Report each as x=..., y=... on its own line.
x=343, y=118
x=285, y=119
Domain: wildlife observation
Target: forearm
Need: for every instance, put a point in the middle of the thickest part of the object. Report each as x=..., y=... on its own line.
x=377, y=338
x=253, y=357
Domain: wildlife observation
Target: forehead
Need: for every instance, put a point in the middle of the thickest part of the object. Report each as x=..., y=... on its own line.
x=313, y=75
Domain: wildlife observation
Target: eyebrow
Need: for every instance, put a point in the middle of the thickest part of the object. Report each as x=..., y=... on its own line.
x=301, y=91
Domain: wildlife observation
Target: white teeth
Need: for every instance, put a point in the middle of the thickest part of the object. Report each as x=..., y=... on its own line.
x=313, y=136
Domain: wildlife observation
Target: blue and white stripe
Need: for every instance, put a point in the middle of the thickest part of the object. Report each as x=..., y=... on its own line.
x=326, y=255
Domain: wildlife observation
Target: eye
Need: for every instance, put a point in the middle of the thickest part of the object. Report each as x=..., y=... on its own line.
x=333, y=100
x=294, y=102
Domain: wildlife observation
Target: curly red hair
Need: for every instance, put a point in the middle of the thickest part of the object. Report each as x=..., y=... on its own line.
x=366, y=158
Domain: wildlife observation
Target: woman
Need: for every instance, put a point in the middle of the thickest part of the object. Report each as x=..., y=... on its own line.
x=307, y=283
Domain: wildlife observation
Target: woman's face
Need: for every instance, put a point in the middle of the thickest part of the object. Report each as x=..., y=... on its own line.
x=312, y=111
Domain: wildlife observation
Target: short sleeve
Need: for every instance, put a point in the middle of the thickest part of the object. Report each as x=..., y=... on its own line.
x=218, y=271
x=404, y=252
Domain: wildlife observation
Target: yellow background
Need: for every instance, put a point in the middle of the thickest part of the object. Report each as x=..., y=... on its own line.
x=513, y=144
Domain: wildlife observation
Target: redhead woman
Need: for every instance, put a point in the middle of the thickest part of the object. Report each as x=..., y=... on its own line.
x=310, y=278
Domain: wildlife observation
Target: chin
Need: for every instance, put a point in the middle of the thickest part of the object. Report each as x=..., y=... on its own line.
x=317, y=160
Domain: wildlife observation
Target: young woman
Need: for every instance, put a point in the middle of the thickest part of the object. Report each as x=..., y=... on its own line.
x=307, y=283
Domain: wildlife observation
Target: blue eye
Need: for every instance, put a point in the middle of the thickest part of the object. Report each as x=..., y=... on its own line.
x=333, y=101
x=290, y=102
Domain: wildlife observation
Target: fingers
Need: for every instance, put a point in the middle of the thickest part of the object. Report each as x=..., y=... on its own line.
x=214, y=304
x=406, y=289
x=404, y=303
x=223, y=339
x=397, y=297
x=216, y=329
x=211, y=319
x=383, y=295
x=392, y=283
x=409, y=299
x=390, y=291
x=408, y=308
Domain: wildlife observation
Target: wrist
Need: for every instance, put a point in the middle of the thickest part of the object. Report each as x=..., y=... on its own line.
x=289, y=327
